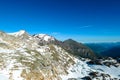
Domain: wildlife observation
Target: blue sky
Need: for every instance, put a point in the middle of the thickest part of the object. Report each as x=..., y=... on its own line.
x=81, y=20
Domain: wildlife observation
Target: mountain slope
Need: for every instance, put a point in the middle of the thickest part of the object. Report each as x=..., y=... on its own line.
x=78, y=49
x=23, y=58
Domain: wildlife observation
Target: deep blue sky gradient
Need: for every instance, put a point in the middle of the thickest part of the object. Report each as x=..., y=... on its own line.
x=82, y=20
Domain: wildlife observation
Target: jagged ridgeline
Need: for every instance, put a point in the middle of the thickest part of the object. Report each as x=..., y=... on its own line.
x=42, y=57
x=73, y=47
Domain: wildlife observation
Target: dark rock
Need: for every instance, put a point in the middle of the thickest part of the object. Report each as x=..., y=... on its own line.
x=107, y=64
x=118, y=60
x=97, y=62
x=93, y=74
x=86, y=78
x=72, y=79
x=116, y=65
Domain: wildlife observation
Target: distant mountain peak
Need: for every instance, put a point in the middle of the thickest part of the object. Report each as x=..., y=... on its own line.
x=44, y=37
x=22, y=31
x=19, y=33
x=70, y=40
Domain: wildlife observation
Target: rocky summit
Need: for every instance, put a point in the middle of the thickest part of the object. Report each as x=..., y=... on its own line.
x=42, y=57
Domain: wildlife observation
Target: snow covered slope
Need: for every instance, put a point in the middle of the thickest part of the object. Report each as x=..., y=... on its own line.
x=23, y=58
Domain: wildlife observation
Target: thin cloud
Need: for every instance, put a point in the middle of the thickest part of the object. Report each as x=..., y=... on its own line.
x=55, y=33
x=85, y=26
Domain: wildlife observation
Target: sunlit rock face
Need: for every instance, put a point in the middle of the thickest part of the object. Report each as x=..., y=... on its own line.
x=22, y=57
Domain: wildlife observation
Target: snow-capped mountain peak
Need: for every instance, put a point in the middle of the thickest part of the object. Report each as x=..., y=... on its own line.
x=44, y=37
x=19, y=33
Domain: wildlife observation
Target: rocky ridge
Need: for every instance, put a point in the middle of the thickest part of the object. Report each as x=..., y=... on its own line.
x=23, y=58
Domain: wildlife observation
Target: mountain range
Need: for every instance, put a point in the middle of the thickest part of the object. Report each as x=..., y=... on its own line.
x=43, y=57
x=106, y=49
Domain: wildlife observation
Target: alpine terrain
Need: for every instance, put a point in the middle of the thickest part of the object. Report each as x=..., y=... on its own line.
x=42, y=57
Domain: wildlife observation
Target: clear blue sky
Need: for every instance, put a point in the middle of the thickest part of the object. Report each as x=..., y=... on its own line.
x=81, y=20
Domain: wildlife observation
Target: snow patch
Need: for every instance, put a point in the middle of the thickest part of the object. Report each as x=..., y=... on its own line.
x=17, y=75
x=2, y=41
x=112, y=71
x=19, y=33
x=78, y=70
x=6, y=50
x=4, y=77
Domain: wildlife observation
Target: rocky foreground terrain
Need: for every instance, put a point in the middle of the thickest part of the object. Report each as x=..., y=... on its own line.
x=42, y=57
